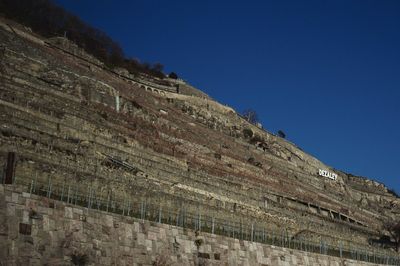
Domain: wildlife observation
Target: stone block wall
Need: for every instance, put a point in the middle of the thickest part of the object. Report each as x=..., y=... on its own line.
x=37, y=231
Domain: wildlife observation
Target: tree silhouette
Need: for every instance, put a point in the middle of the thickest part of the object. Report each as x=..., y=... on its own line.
x=281, y=134
x=173, y=75
x=49, y=20
x=250, y=116
x=393, y=228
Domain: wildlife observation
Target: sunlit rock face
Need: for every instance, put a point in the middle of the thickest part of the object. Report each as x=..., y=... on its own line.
x=72, y=122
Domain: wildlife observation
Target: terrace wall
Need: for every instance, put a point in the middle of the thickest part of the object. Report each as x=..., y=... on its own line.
x=36, y=230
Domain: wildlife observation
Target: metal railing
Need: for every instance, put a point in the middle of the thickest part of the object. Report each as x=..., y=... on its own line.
x=180, y=216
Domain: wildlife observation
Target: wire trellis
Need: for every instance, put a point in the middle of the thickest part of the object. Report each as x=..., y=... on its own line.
x=199, y=221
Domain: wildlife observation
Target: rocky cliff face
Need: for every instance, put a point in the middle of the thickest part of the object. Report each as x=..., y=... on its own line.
x=71, y=122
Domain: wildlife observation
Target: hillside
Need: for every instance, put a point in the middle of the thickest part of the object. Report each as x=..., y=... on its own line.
x=72, y=122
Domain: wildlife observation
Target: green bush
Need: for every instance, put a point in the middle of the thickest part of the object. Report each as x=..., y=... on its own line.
x=247, y=133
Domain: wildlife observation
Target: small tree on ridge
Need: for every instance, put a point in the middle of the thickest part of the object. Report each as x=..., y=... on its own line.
x=250, y=116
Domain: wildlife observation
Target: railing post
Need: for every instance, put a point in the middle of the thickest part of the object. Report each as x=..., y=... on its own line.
x=263, y=235
x=92, y=200
x=48, y=188
x=141, y=210
x=30, y=191
x=252, y=232
x=123, y=206
x=34, y=186
x=159, y=214
x=108, y=201
x=199, y=220
x=98, y=203
x=169, y=217
x=2, y=177
x=351, y=252
x=196, y=221
x=112, y=205
x=177, y=218
x=129, y=207
x=91, y=193
x=62, y=192
x=88, y=198
x=76, y=195
x=320, y=247
x=144, y=210
x=241, y=230
x=69, y=191
x=183, y=218
x=273, y=238
x=326, y=246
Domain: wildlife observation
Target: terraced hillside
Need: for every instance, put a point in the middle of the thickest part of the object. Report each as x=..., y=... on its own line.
x=69, y=121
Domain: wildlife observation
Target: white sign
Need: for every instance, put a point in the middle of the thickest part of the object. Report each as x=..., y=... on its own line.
x=327, y=174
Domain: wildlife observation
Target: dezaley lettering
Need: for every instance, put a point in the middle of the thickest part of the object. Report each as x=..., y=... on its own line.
x=327, y=174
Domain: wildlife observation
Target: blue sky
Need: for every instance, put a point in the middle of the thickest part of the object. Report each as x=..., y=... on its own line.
x=327, y=73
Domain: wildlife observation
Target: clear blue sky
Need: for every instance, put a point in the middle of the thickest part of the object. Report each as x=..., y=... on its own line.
x=327, y=73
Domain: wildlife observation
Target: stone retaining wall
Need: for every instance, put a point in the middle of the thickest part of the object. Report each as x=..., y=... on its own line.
x=37, y=231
